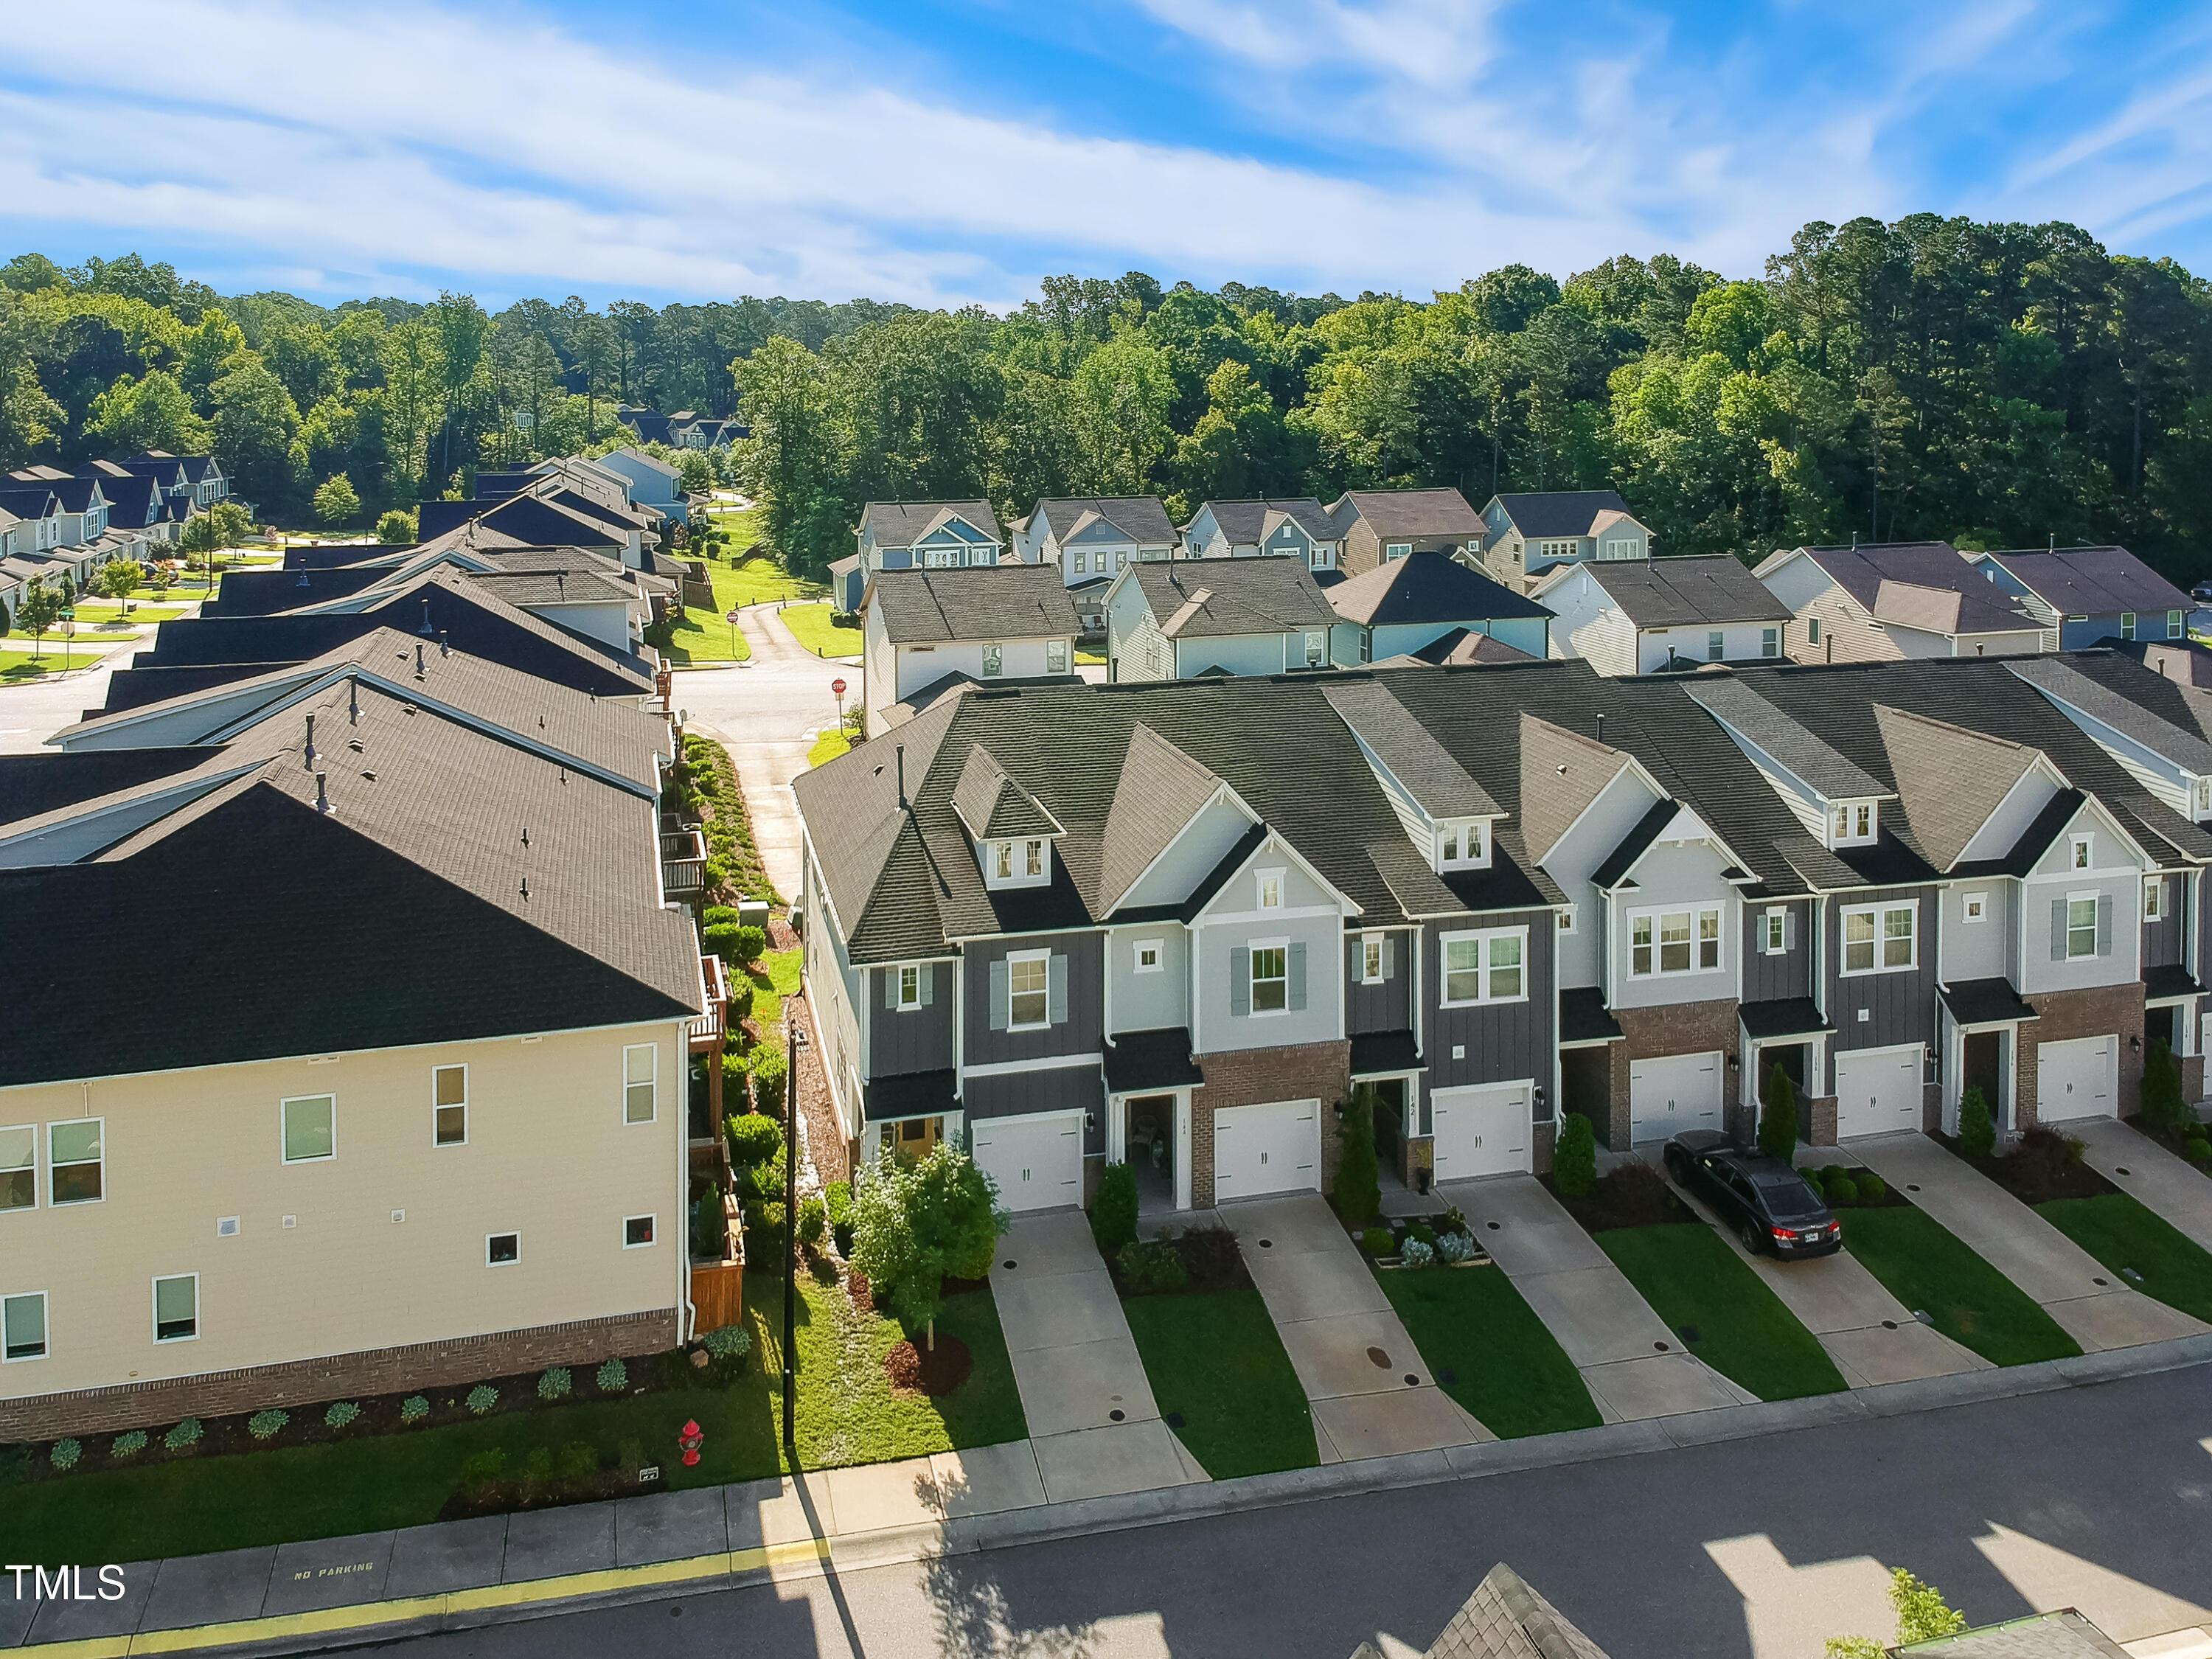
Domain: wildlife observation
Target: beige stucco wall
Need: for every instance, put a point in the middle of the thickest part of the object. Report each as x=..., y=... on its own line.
x=548, y=1155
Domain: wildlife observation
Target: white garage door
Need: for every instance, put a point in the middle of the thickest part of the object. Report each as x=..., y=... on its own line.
x=2077, y=1079
x=1673, y=1093
x=1259, y=1150
x=1878, y=1091
x=1036, y=1161
x=1481, y=1131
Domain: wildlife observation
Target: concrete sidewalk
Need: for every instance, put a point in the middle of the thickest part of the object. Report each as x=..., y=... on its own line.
x=1093, y=1423
x=1633, y=1365
x=1369, y=1389
x=2098, y=1309
x=2162, y=1183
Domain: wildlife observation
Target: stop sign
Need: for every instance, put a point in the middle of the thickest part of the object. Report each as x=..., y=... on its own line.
x=837, y=688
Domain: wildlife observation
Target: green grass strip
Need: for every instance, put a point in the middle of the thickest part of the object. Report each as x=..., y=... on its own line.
x=811, y=626
x=1692, y=1279
x=2122, y=1233
x=1471, y=1326
x=1927, y=1268
x=1214, y=1357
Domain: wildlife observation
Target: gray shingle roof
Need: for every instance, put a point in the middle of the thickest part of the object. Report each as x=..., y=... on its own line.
x=1911, y=572
x=993, y=805
x=1687, y=590
x=1158, y=791
x=1247, y=523
x=901, y=524
x=1537, y=514
x=1397, y=514
x=2088, y=582
x=1949, y=779
x=2164, y=737
x=1197, y=600
x=1428, y=588
x=1826, y=773
x=1403, y=745
x=983, y=602
x=1141, y=518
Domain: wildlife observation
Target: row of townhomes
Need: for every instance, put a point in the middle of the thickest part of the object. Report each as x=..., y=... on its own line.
x=56, y=525
x=685, y=429
x=1176, y=922
x=399, y=1093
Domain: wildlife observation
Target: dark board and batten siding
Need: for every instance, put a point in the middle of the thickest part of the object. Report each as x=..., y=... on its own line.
x=1901, y=1004
x=1774, y=978
x=1053, y=1089
x=919, y=1039
x=2162, y=940
x=1080, y=1033
x=1387, y=1006
x=1504, y=1040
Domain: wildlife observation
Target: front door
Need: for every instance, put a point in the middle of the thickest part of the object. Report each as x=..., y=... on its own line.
x=1981, y=1066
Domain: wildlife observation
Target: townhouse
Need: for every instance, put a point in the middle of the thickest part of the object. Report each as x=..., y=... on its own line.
x=2081, y=596
x=1882, y=601
x=1179, y=622
x=1092, y=540
x=1298, y=528
x=915, y=536
x=1528, y=534
x=1644, y=616
x=1429, y=601
x=926, y=634
x=1375, y=527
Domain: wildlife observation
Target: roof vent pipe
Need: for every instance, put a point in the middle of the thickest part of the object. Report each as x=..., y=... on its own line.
x=425, y=629
x=307, y=755
x=445, y=649
x=353, y=703
x=1601, y=728
x=902, y=776
x=322, y=792
x=418, y=659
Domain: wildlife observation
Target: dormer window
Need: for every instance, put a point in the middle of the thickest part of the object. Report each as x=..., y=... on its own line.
x=1002, y=858
x=1316, y=646
x=2204, y=798
x=1463, y=846
x=1033, y=858
x=1023, y=863
x=1855, y=823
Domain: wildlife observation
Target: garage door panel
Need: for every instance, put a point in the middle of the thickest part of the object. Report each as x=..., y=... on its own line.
x=1668, y=1094
x=1878, y=1092
x=1036, y=1161
x=1274, y=1148
x=2078, y=1079
x=1479, y=1131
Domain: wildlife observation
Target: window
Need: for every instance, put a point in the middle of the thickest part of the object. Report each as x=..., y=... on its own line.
x=449, y=1105
x=74, y=1161
x=1002, y=860
x=995, y=661
x=1152, y=656
x=909, y=985
x=177, y=1308
x=311, y=1128
x=1770, y=642
x=1812, y=630
x=1148, y=955
x=19, y=1167
x=23, y=1326
x=1316, y=646
x=637, y=1231
x=1485, y=967
x=1880, y=938
x=1564, y=550
x=1974, y=906
x=640, y=1066
x=1567, y=923
x=2153, y=899
x=1396, y=549
x=502, y=1249
x=2173, y=628
x=1857, y=822
x=2080, y=926
x=2204, y=797
x=1664, y=942
x=1056, y=656
x=1323, y=557
x=2127, y=625
x=1271, y=978
x=1029, y=986
x=1271, y=890
x=1033, y=858
x=2078, y=853
x=1774, y=932
x=1463, y=845
x=1078, y=566
x=1617, y=548
x=1371, y=959
x=1716, y=645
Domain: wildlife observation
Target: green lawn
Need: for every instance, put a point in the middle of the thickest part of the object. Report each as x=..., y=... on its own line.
x=810, y=625
x=1214, y=1358
x=778, y=971
x=15, y=666
x=1926, y=1267
x=827, y=747
x=701, y=638
x=1471, y=1326
x=142, y=610
x=2120, y=1232
x=847, y=1413
x=1692, y=1279
x=1089, y=660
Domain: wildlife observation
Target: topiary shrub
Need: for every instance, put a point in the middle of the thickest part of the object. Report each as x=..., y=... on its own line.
x=1810, y=1175
x=741, y=1000
x=341, y=1413
x=755, y=1138
x=1778, y=1114
x=483, y=1398
x=1358, y=1187
x=2198, y=1148
x=1842, y=1193
x=1424, y=1232
x=718, y=915
x=612, y=1377
x=730, y=1342
x=413, y=1410
x=1872, y=1187
x=66, y=1453
x=2163, y=1106
x=721, y=940
x=1418, y=1253
x=1573, y=1160
x=184, y=1437
x=1114, y=1209
x=1378, y=1241
x=555, y=1383
x=812, y=1219
x=127, y=1445
x=1978, y=1130
x=267, y=1425
x=751, y=942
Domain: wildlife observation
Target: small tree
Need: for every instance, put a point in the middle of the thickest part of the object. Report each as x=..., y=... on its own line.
x=119, y=579
x=159, y=577
x=1978, y=1130
x=1574, y=1161
x=1922, y=1616
x=336, y=501
x=396, y=528
x=2163, y=1105
x=224, y=525
x=41, y=608
x=915, y=1224
x=1113, y=1211
x=1778, y=1114
x=1359, y=1184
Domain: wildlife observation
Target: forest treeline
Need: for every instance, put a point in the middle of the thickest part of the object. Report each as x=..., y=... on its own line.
x=1993, y=385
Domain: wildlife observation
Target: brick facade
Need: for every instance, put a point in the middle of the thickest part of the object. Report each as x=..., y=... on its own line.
x=1254, y=1076
x=1677, y=1027
x=2061, y=1015
x=343, y=1377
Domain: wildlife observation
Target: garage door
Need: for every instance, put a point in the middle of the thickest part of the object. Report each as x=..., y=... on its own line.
x=1259, y=1150
x=1673, y=1093
x=2077, y=1079
x=1036, y=1161
x=1480, y=1131
x=1878, y=1091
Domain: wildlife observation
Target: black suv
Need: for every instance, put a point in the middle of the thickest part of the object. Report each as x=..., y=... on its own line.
x=1768, y=1203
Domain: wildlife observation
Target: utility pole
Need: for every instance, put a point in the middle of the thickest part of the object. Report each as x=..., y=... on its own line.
x=794, y=1040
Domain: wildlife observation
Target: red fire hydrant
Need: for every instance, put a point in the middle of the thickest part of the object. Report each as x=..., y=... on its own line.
x=691, y=1439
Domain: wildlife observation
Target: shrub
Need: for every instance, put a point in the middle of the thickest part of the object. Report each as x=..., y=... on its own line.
x=2163, y=1105
x=1777, y=1116
x=1418, y=1253
x=722, y=940
x=918, y=1223
x=764, y=1228
x=1810, y=1175
x=578, y=1461
x=1872, y=1187
x=483, y=1398
x=128, y=1445
x=66, y=1452
x=718, y=915
x=755, y=1138
x=483, y=1470
x=1114, y=1210
x=730, y=1342
x=1153, y=1265
x=812, y=1219
x=766, y=1063
x=538, y=1467
x=1573, y=1160
x=1359, y=1189
x=396, y=528
x=837, y=1202
x=2198, y=1147
x=1455, y=1247
x=1378, y=1241
x=555, y=1384
x=750, y=942
x=1843, y=1192
x=413, y=1410
x=710, y=1227
x=612, y=1377
x=184, y=1437
x=741, y=998
x=1978, y=1130
x=267, y=1425
x=341, y=1413
x=1423, y=1232
x=1453, y=1220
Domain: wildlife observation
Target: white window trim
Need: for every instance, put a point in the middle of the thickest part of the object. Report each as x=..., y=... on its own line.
x=31, y=1129
x=437, y=1144
x=993, y=660
x=1371, y=944
x=1484, y=969
x=1056, y=650
x=46, y=1327
x=652, y=1222
x=1973, y=910
x=1570, y=919
x=283, y=1153
x=1136, y=949
x=65, y=1123
x=917, y=969
x=1873, y=810
x=2082, y=852
x=1467, y=833
x=1013, y=956
x=653, y=1082
x=154, y=1299
x=1252, y=948
x=1773, y=926
x=1696, y=911
x=516, y=1234
x=2092, y=898
x=1260, y=879
x=1878, y=912
x=2153, y=898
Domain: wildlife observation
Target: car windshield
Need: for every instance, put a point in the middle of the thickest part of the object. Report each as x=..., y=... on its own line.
x=1789, y=1195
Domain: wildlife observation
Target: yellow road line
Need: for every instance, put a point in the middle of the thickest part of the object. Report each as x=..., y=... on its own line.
x=325, y=1621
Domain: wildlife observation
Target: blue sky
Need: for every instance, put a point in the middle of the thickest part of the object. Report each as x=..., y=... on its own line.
x=954, y=151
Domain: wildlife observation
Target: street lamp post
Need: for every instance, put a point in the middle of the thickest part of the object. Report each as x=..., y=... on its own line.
x=795, y=1040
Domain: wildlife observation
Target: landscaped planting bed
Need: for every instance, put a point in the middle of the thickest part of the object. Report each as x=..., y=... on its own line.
x=1721, y=1309
x=1487, y=1349
x=705, y=785
x=1926, y=1267
x=2192, y=1144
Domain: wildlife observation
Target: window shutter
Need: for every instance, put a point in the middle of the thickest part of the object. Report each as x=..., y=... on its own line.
x=1789, y=930
x=2058, y=930
x=1390, y=956
x=1055, y=990
x=929, y=983
x=1353, y=949
x=890, y=987
x=1240, y=981
x=999, y=996
x=1298, y=976
x=2104, y=924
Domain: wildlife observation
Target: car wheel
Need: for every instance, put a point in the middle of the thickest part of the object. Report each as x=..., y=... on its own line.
x=1752, y=1239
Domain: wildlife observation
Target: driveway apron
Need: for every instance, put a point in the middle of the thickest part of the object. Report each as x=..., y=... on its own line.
x=1632, y=1363
x=1370, y=1391
x=1093, y=1420
x=2097, y=1309
x=2158, y=1181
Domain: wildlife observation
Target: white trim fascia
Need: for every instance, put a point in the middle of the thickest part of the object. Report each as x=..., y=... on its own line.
x=1044, y=1063
x=185, y=793
x=1221, y=792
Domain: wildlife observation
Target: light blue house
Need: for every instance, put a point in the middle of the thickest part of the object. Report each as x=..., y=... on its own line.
x=2083, y=595
x=1399, y=609
x=916, y=536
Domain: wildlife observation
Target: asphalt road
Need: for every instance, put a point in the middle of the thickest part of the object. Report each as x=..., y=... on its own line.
x=2100, y=1498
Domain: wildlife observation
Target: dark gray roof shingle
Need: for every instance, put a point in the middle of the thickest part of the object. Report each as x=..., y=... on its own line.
x=982, y=602
x=1686, y=591
x=1212, y=598
x=1428, y=588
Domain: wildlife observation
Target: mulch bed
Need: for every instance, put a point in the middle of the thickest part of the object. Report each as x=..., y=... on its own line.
x=1209, y=1255
x=1890, y=1198
x=857, y=1288
x=927, y=1371
x=2174, y=1140
x=2040, y=1166
x=1633, y=1195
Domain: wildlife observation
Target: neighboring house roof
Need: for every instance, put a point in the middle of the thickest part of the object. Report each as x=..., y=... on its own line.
x=1193, y=599
x=2176, y=741
x=1428, y=588
x=1505, y=1619
x=1462, y=647
x=650, y=463
x=1558, y=512
x=845, y=565
x=2088, y=582
x=1404, y=515
x=1684, y=592
x=1899, y=582
x=1141, y=518
x=1251, y=522
x=982, y=602
x=901, y=524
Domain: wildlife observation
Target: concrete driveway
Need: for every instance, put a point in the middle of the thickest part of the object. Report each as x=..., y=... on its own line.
x=1632, y=1363
x=2162, y=1183
x=1369, y=1389
x=1093, y=1420
x=2099, y=1310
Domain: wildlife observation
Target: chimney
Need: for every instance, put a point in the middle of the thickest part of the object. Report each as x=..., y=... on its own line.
x=322, y=792
x=902, y=776
x=418, y=659
x=425, y=629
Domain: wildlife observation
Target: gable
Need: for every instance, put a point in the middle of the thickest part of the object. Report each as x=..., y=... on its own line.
x=2011, y=818
x=1238, y=895
x=1192, y=856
